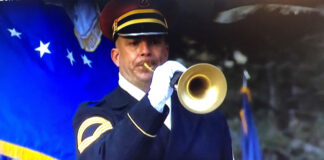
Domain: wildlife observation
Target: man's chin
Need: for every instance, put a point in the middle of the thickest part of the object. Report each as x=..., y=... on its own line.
x=146, y=76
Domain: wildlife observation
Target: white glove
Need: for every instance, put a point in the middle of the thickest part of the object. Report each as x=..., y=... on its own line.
x=160, y=89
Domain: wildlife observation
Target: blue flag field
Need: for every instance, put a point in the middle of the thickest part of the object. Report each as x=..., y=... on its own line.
x=44, y=77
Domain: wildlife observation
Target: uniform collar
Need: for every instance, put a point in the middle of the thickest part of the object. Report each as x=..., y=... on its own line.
x=138, y=94
x=131, y=89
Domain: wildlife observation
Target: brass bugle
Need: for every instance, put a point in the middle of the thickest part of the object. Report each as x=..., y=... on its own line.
x=148, y=67
x=201, y=89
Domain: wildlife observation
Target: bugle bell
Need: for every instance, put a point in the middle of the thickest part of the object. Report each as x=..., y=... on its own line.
x=201, y=89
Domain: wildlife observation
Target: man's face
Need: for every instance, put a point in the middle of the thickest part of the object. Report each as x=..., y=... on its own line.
x=131, y=53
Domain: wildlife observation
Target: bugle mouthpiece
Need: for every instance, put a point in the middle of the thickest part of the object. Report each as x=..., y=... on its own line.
x=148, y=67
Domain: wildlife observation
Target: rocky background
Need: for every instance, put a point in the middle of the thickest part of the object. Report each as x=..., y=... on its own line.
x=281, y=45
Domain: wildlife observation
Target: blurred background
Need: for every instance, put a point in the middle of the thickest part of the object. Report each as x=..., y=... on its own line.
x=279, y=43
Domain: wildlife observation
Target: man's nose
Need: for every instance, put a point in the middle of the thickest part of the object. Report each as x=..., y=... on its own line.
x=144, y=48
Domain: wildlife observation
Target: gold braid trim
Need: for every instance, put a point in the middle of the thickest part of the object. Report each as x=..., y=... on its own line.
x=139, y=128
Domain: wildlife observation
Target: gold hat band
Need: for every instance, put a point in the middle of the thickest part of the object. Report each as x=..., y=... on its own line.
x=117, y=28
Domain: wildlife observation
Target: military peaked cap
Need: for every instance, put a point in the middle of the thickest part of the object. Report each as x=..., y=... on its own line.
x=131, y=18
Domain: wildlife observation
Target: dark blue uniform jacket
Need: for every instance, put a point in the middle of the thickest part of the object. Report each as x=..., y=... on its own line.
x=120, y=127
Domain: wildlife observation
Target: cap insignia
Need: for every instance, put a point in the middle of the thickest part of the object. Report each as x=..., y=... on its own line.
x=144, y=3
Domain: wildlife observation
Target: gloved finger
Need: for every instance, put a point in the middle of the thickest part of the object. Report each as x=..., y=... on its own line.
x=177, y=66
x=171, y=67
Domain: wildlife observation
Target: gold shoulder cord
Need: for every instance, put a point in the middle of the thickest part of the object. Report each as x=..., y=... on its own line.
x=139, y=128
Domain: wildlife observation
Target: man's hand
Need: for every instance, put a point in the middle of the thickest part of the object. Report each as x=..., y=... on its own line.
x=160, y=89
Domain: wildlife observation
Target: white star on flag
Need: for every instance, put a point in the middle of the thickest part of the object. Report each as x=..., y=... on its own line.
x=13, y=33
x=86, y=60
x=43, y=48
x=70, y=56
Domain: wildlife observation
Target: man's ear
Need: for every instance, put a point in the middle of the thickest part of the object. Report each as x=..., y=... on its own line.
x=115, y=56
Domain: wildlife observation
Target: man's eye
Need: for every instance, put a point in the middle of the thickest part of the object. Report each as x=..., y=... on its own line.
x=135, y=42
x=155, y=41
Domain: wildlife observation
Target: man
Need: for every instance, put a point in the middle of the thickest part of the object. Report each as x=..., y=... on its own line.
x=142, y=118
